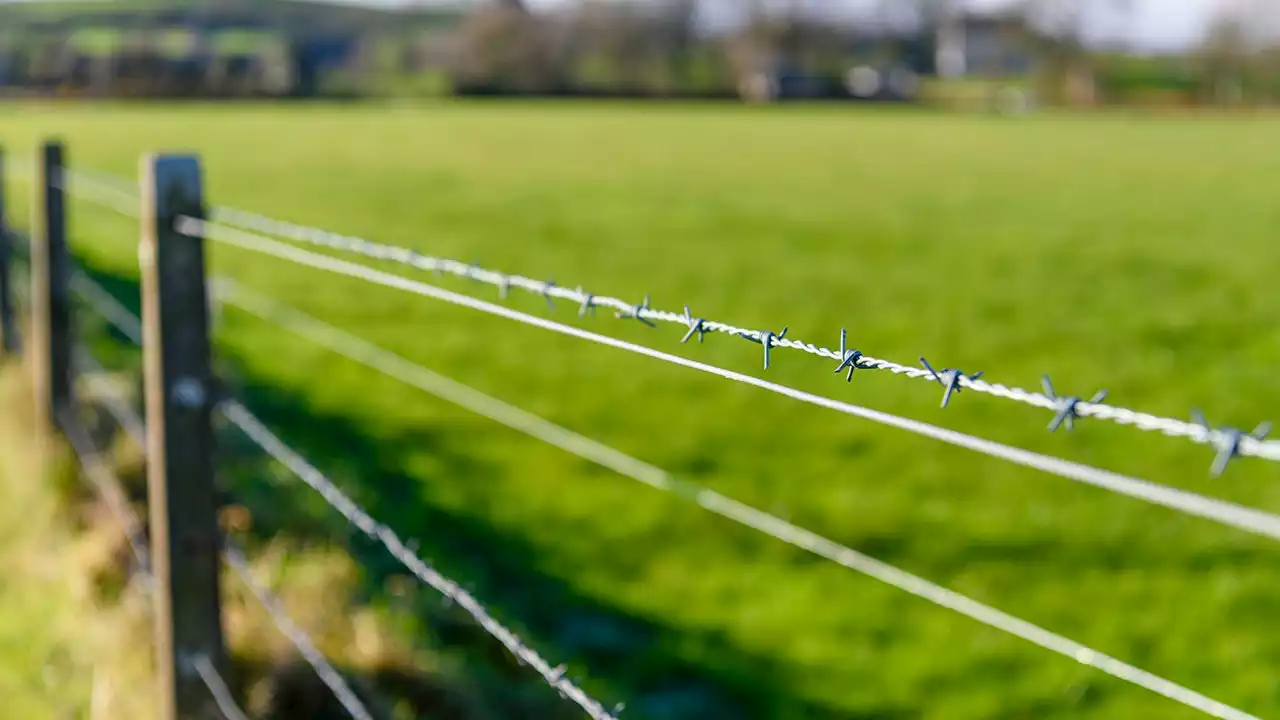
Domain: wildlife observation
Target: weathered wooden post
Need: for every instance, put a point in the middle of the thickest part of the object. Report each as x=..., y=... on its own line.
x=50, y=290
x=8, y=322
x=180, y=443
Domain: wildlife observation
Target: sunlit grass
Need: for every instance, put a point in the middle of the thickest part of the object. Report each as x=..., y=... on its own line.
x=1132, y=255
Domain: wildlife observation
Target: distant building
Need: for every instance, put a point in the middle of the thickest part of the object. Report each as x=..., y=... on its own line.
x=984, y=45
x=180, y=49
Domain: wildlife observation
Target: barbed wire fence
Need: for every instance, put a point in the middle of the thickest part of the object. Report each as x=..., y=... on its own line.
x=207, y=667
x=248, y=232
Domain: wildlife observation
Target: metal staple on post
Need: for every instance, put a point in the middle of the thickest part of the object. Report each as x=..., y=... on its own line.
x=180, y=438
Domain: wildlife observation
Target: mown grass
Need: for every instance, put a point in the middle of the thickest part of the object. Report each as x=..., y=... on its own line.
x=1110, y=252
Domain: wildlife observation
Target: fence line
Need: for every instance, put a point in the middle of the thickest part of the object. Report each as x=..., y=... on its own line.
x=360, y=351
x=232, y=555
x=167, y=600
x=1227, y=442
x=108, y=487
x=394, y=366
x=189, y=393
x=1237, y=516
x=119, y=317
x=94, y=467
x=107, y=484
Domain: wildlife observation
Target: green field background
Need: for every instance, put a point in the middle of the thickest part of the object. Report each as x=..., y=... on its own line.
x=1137, y=255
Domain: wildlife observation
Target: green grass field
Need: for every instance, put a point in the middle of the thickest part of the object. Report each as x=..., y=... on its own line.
x=1137, y=255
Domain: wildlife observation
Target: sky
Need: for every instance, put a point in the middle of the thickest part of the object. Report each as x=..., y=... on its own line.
x=1151, y=24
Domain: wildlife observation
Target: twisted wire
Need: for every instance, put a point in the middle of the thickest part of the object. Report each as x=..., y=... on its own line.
x=1240, y=517
x=397, y=367
x=847, y=358
x=1228, y=442
x=236, y=560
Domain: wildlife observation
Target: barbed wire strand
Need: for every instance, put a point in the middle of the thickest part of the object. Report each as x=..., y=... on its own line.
x=329, y=675
x=1237, y=516
x=394, y=366
x=298, y=465
x=848, y=359
x=1228, y=442
x=217, y=688
x=257, y=431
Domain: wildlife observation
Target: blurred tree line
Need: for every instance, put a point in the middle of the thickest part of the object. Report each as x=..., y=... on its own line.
x=1236, y=60
x=753, y=49
x=670, y=48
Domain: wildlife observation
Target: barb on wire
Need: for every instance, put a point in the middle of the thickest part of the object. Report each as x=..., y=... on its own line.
x=848, y=356
x=305, y=471
x=241, y=219
x=1228, y=441
x=766, y=338
x=637, y=312
x=280, y=618
x=222, y=697
x=696, y=326
x=588, y=303
x=547, y=288
x=951, y=379
x=399, y=368
x=1067, y=409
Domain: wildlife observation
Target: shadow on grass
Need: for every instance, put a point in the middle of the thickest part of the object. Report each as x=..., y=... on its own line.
x=639, y=660
x=631, y=659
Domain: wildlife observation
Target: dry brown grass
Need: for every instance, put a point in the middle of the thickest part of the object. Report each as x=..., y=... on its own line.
x=82, y=612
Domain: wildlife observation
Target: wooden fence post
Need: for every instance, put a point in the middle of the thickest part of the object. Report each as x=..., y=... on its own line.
x=180, y=442
x=8, y=323
x=50, y=285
